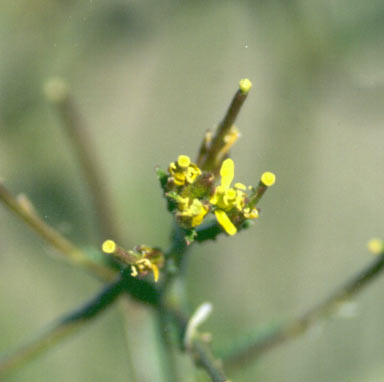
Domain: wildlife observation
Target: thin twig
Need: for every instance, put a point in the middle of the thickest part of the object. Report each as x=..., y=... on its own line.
x=52, y=237
x=170, y=369
x=204, y=358
x=80, y=141
x=62, y=328
x=198, y=349
x=302, y=323
x=209, y=151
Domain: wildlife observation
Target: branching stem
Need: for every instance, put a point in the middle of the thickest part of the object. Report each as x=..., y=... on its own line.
x=62, y=328
x=54, y=238
x=208, y=155
x=302, y=323
x=80, y=141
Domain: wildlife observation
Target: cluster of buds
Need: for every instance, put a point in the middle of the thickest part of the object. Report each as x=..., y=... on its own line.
x=142, y=259
x=194, y=193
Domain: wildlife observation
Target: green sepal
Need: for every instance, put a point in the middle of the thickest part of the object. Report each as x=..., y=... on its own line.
x=163, y=178
x=190, y=235
x=171, y=197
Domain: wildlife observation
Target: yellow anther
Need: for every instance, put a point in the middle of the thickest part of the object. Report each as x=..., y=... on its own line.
x=109, y=246
x=245, y=85
x=183, y=161
x=268, y=178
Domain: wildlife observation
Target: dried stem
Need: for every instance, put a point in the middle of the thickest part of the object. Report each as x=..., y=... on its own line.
x=62, y=328
x=52, y=237
x=80, y=141
x=211, y=147
x=302, y=323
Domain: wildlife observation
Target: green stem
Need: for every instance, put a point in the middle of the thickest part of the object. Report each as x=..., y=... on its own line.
x=198, y=350
x=167, y=351
x=204, y=358
x=52, y=237
x=62, y=328
x=302, y=323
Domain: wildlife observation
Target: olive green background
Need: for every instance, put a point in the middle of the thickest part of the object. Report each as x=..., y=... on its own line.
x=149, y=78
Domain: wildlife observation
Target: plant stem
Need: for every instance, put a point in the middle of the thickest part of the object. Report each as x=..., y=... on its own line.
x=62, y=328
x=204, y=358
x=80, y=141
x=198, y=350
x=207, y=157
x=302, y=323
x=167, y=350
x=52, y=237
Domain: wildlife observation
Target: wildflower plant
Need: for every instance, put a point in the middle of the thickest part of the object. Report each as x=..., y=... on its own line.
x=205, y=201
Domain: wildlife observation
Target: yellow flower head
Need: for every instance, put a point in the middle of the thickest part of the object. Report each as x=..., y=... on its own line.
x=183, y=171
x=148, y=260
x=245, y=85
x=268, y=179
x=192, y=214
x=142, y=259
x=228, y=200
x=143, y=266
x=109, y=246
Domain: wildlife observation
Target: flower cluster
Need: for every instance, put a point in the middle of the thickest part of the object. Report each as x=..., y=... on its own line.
x=142, y=259
x=193, y=194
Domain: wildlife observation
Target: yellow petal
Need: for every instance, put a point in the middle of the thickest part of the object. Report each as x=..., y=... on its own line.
x=240, y=186
x=227, y=172
x=155, y=271
x=225, y=222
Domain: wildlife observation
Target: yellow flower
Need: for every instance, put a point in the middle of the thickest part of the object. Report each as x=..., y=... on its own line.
x=142, y=259
x=245, y=85
x=109, y=246
x=183, y=171
x=192, y=214
x=268, y=178
x=228, y=200
x=144, y=265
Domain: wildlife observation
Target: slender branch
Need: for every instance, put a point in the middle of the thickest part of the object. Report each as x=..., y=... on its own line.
x=198, y=349
x=59, y=95
x=62, y=328
x=302, y=323
x=170, y=369
x=52, y=237
x=211, y=147
x=205, y=359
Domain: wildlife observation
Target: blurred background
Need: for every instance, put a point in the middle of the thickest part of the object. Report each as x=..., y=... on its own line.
x=149, y=77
